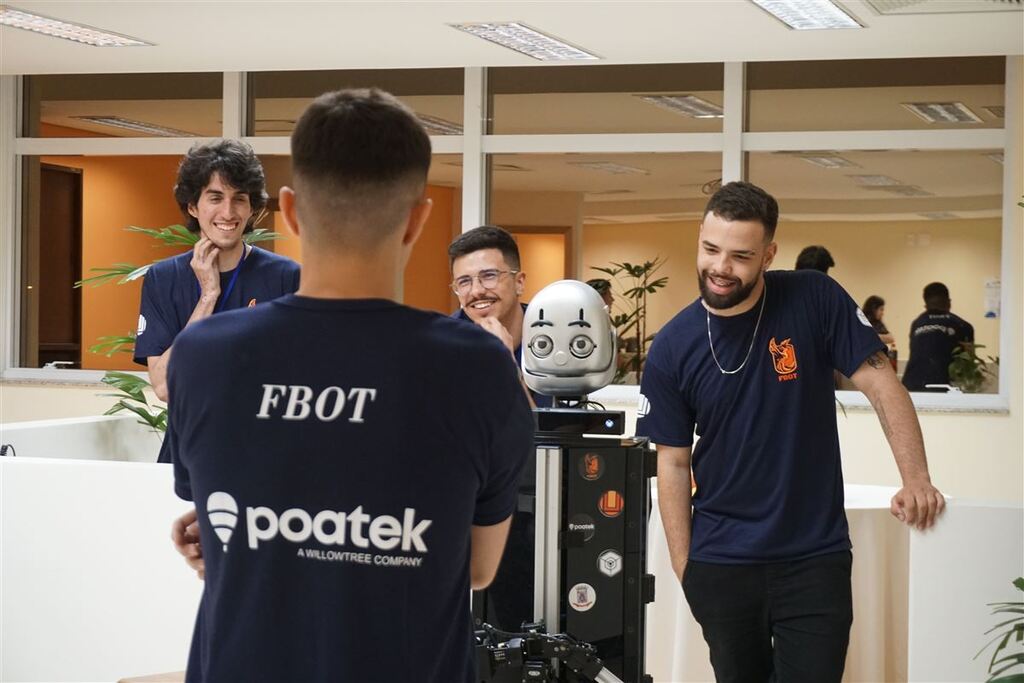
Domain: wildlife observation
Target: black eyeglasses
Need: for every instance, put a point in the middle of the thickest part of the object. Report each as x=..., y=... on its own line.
x=489, y=279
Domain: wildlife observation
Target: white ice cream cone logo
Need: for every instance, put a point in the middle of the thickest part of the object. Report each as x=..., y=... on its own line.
x=222, y=511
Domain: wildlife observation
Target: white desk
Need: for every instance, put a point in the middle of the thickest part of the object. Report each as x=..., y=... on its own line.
x=676, y=650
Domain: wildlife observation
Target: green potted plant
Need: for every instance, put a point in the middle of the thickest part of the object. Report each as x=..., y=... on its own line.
x=969, y=372
x=1009, y=650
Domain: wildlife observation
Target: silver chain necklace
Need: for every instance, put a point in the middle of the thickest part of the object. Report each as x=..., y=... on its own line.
x=711, y=344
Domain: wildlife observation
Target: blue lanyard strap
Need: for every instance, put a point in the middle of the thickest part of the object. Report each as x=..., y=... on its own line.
x=222, y=301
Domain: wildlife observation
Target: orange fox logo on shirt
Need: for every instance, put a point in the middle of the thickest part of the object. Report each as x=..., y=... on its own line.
x=783, y=356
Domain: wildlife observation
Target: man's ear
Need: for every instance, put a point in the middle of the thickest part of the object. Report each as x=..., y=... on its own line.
x=769, y=254
x=520, y=283
x=193, y=211
x=286, y=201
x=417, y=220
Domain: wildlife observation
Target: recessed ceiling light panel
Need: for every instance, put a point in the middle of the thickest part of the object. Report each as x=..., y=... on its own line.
x=942, y=112
x=687, y=105
x=827, y=160
x=809, y=15
x=518, y=36
x=78, y=33
x=875, y=180
x=610, y=167
x=136, y=126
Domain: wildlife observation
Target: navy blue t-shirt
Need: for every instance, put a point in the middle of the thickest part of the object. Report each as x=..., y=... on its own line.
x=934, y=335
x=338, y=452
x=767, y=467
x=170, y=292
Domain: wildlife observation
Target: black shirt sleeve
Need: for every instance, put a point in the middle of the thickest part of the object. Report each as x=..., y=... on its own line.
x=157, y=327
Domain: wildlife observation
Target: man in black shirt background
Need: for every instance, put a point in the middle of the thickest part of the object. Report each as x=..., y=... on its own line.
x=934, y=336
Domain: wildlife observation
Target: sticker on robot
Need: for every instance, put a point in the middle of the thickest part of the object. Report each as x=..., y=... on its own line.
x=609, y=563
x=611, y=504
x=582, y=597
x=591, y=466
x=583, y=524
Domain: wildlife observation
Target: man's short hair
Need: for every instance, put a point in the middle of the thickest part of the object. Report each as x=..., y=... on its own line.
x=741, y=201
x=936, y=296
x=235, y=163
x=814, y=257
x=485, y=237
x=360, y=160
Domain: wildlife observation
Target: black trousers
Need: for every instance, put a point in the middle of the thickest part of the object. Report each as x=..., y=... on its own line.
x=785, y=622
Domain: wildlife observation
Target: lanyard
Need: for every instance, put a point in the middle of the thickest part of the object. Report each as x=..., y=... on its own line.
x=222, y=301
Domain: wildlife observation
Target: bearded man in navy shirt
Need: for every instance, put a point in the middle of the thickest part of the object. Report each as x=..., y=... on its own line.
x=763, y=549
x=344, y=511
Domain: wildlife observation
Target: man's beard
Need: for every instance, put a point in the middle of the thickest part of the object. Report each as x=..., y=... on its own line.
x=723, y=301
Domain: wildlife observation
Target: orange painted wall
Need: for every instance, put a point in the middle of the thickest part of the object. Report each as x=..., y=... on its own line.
x=542, y=257
x=118, y=192
x=426, y=275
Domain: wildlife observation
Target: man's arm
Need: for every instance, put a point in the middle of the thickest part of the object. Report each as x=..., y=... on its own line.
x=204, y=265
x=674, y=492
x=918, y=503
x=487, y=543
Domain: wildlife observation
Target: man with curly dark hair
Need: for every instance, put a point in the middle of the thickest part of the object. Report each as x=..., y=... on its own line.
x=221, y=191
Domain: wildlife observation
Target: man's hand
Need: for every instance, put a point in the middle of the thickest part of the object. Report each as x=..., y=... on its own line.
x=206, y=267
x=494, y=326
x=185, y=535
x=918, y=504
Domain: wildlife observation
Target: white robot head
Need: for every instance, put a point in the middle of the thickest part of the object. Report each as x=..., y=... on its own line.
x=568, y=341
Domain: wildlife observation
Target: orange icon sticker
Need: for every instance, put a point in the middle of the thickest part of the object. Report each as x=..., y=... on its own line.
x=611, y=504
x=783, y=356
x=591, y=466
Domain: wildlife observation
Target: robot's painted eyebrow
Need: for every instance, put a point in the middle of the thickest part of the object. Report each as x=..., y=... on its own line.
x=541, y=322
x=581, y=322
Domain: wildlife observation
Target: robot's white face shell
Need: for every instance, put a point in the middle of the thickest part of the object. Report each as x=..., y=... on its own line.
x=568, y=340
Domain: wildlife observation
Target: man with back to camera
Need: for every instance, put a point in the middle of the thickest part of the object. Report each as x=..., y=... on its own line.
x=221, y=191
x=934, y=336
x=488, y=280
x=764, y=556
x=344, y=513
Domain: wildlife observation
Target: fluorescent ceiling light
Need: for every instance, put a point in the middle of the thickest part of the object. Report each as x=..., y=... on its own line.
x=610, y=167
x=437, y=126
x=942, y=112
x=875, y=180
x=827, y=160
x=528, y=41
x=136, y=126
x=996, y=157
x=903, y=190
x=687, y=105
x=16, y=18
x=808, y=15
x=938, y=215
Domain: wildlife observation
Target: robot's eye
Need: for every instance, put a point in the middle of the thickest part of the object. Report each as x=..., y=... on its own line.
x=541, y=346
x=581, y=346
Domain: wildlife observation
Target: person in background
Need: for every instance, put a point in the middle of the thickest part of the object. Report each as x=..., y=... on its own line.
x=815, y=257
x=221, y=192
x=603, y=287
x=934, y=336
x=874, y=309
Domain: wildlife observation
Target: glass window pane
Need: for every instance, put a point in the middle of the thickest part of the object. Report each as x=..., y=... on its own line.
x=895, y=222
x=657, y=98
x=873, y=94
x=123, y=105
x=279, y=97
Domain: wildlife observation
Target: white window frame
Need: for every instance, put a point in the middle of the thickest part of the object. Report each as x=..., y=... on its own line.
x=475, y=146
